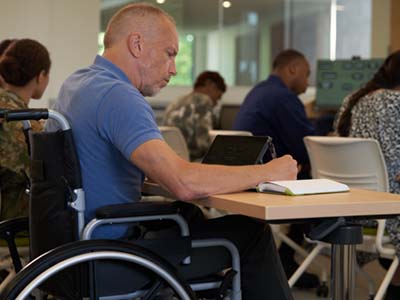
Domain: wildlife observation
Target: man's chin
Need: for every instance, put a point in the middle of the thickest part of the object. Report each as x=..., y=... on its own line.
x=150, y=92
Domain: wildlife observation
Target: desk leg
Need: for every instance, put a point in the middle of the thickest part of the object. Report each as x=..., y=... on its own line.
x=343, y=272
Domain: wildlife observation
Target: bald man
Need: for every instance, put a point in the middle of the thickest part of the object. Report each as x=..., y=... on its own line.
x=118, y=144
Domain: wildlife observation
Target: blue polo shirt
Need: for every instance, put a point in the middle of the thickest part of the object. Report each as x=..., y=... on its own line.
x=272, y=109
x=109, y=119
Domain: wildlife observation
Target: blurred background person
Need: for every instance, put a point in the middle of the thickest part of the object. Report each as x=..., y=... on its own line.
x=193, y=113
x=374, y=112
x=24, y=67
x=3, y=46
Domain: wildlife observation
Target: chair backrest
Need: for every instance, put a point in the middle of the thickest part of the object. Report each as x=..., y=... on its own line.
x=227, y=116
x=357, y=162
x=174, y=138
x=214, y=133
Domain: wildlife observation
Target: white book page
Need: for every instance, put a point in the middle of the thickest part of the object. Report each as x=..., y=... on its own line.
x=303, y=187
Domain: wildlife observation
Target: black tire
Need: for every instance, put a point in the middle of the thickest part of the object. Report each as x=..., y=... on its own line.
x=77, y=252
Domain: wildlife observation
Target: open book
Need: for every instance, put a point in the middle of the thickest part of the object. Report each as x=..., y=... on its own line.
x=303, y=187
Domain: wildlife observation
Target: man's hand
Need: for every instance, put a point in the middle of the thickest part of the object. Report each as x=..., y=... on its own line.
x=282, y=168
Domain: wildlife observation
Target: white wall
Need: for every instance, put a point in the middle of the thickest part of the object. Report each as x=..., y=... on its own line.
x=68, y=29
x=380, y=31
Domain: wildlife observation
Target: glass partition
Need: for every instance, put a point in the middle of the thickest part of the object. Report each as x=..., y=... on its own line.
x=240, y=38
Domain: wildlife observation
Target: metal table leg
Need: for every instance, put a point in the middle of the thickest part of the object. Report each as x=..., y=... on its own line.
x=343, y=271
x=343, y=237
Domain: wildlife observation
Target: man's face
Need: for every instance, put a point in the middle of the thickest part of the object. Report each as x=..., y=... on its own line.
x=300, y=81
x=158, y=66
x=215, y=93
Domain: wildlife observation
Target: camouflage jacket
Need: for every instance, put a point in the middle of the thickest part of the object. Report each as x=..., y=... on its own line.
x=193, y=115
x=14, y=160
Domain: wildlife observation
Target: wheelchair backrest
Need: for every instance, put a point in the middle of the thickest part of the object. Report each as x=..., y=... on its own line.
x=55, y=173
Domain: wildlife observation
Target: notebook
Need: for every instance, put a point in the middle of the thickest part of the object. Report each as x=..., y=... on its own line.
x=234, y=150
x=303, y=187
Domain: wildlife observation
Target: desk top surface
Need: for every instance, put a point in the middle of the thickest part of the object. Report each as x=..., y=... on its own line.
x=281, y=207
x=274, y=207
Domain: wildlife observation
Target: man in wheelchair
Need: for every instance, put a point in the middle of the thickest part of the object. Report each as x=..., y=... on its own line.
x=118, y=144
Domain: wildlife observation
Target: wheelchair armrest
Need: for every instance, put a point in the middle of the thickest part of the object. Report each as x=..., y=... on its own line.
x=135, y=210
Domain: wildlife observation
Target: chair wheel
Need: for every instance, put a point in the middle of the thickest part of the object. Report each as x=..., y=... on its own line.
x=371, y=297
x=323, y=290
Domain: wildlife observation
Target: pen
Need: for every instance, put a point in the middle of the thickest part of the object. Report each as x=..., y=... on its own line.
x=271, y=147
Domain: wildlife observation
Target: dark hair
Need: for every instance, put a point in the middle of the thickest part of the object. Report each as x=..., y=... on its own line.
x=213, y=77
x=4, y=45
x=24, y=60
x=285, y=57
x=387, y=77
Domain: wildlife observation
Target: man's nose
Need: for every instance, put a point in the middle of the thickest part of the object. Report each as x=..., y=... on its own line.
x=172, y=68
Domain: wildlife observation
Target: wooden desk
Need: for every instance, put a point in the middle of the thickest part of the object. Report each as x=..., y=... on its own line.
x=356, y=203
x=273, y=207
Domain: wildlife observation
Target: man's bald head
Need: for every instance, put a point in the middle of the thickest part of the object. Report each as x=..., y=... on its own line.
x=141, y=17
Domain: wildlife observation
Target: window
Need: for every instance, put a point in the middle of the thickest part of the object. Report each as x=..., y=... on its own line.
x=240, y=38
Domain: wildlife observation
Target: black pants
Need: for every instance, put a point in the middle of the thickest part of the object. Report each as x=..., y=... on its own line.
x=261, y=270
x=296, y=234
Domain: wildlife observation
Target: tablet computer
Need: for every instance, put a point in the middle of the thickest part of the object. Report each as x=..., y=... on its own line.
x=234, y=150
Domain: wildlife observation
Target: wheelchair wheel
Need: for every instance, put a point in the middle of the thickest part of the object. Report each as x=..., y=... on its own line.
x=73, y=254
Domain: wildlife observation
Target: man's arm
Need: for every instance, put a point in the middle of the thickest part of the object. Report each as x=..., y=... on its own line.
x=189, y=181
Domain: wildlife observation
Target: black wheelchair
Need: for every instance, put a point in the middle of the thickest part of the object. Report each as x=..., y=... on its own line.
x=67, y=264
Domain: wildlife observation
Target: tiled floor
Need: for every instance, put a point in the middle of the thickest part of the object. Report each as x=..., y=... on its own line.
x=361, y=289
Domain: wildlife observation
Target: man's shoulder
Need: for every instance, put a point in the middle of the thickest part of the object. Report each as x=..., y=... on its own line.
x=201, y=99
x=268, y=92
x=191, y=102
x=97, y=86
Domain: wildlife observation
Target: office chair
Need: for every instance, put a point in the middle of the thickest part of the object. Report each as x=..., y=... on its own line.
x=359, y=163
x=174, y=138
x=57, y=209
x=227, y=116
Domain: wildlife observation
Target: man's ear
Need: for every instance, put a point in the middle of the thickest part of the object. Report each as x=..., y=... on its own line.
x=41, y=76
x=135, y=44
x=292, y=67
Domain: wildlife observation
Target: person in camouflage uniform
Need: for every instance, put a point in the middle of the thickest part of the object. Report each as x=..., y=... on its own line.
x=24, y=67
x=193, y=113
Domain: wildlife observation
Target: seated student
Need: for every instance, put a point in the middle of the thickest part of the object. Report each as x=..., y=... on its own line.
x=118, y=143
x=374, y=112
x=273, y=108
x=24, y=67
x=193, y=113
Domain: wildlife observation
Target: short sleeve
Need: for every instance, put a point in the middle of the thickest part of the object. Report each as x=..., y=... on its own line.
x=126, y=119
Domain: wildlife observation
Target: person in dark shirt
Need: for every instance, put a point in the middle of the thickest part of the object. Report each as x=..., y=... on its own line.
x=273, y=108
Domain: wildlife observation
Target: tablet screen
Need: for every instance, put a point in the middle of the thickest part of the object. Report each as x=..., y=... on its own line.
x=236, y=150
